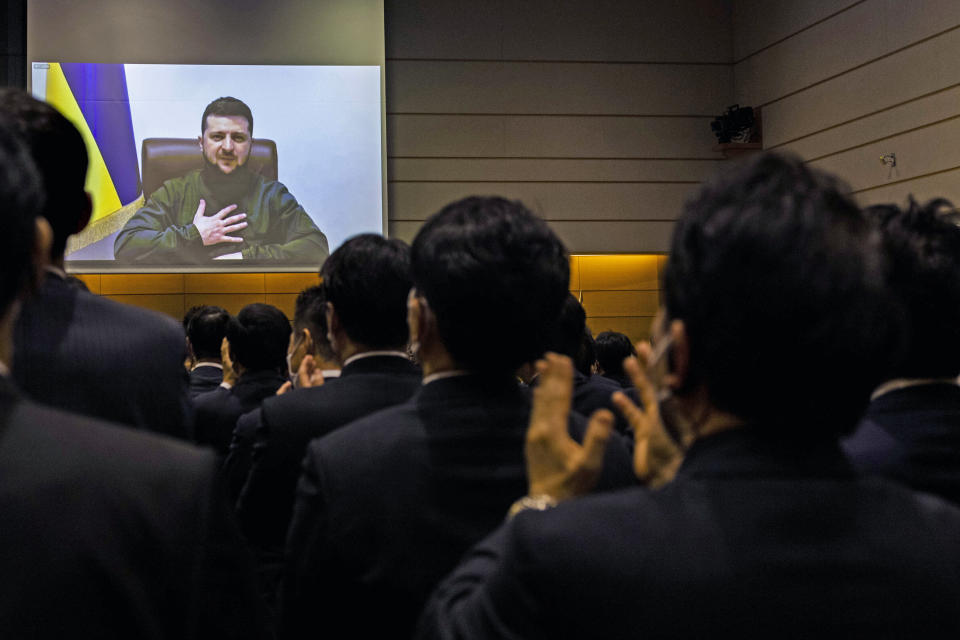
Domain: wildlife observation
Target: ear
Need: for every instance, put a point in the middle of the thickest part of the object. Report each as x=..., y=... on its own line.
x=678, y=375
x=42, y=241
x=200, y=142
x=307, y=341
x=85, y=213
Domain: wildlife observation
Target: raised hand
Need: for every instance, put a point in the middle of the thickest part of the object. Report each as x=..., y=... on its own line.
x=557, y=466
x=215, y=229
x=308, y=375
x=656, y=457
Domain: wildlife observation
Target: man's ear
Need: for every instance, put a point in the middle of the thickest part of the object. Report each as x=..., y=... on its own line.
x=85, y=212
x=678, y=375
x=42, y=241
x=200, y=142
x=308, y=341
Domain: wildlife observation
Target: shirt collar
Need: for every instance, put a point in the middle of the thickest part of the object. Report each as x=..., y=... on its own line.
x=371, y=354
x=441, y=375
x=207, y=364
x=904, y=383
x=56, y=271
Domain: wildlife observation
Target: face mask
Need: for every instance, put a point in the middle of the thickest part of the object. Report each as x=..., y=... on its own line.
x=674, y=422
x=292, y=373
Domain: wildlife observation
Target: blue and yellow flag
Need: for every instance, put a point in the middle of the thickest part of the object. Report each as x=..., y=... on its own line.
x=94, y=97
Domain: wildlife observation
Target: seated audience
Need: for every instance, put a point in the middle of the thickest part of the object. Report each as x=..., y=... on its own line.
x=257, y=345
x=911, y=431
x=612, y=349
x=387, y=504
x=775, y=329
x=75, y=350
x=205, y=333
x=107, y=532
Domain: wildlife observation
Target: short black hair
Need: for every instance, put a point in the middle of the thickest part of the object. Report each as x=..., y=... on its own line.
x=60, y=156
x=367, y=280
x=206, y=331
x=779, y=279
x=310, y=313
x=495, y=277
x=21, y=201
x=612, y=349
x=226, y=106
x=569, y=327
x=259, y=336
x=188, y=316
x=922, y=243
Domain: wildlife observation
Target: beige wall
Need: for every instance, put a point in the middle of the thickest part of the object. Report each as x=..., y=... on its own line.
x=596, y=114
x=842, y=83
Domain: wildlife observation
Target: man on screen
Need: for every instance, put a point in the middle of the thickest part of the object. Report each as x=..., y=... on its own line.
x=224, y=210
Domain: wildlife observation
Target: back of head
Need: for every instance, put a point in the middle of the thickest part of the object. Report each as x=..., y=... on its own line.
x=612, y=349
x=21, y=199
x=569, y=328
x=367, y=280
x=310, y=313
x=922, y=245
x=60, y=156
x=258, y=337
x=495, y=277
x=206, y=331
x=779, y=279
x=226, y=106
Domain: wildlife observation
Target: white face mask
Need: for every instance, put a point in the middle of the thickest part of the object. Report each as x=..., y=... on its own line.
x=670, y=416
x=290, y=370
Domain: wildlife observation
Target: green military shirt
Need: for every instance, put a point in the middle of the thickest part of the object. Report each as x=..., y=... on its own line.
x=278, y=229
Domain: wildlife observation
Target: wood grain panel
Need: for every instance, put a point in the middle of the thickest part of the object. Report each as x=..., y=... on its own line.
x=289, y=282
x=620, y=303
x=871, y=128
x=286, y=302
x=574, y=273
x=554, y=201
x=618, y=30
x=587, y=237
x=232, y=302
x=945, y=184
x=623, y=272
x=444, y=29
x=550, y=136
x=760, y=23
x=503, y=169
x=224, y=283
x=862, y=169
x=141, y=283
x=171, y=304
x=635, y=327
x=557, y=88
x=885, y=83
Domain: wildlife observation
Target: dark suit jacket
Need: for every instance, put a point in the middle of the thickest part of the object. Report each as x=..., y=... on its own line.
x=86, y=354
x=388, y=504
x=217, y=411
x=113, y=533
x=204, y=378
x=286, y=424
x=912, y=435
x=752, y=539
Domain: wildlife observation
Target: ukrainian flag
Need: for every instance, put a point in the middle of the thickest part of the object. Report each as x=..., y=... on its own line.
x=94, y=98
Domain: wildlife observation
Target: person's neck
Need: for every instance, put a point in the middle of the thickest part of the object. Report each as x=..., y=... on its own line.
x=58, y=262
x=704, y=419
x=434, y=358
x=7, y=323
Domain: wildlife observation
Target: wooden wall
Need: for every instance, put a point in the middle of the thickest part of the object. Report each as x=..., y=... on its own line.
x=595, y=113
x=843, y=82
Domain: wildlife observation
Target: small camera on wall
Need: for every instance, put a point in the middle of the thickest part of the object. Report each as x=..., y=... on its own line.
x=736, y=125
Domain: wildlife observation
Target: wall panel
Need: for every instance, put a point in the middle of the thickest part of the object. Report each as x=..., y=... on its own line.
x=758, y=24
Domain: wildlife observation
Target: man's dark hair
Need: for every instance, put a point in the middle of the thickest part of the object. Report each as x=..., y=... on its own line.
x=779, y=279
x=922, y=244
x=60, y=156
x=367, y=280
x=612, y=349
x=191, y=312
x=310, y=313
x=21, y=201
x=495, y=277
x=226, y=106
x=258, y=337
x=206, y=331
x=571, y=336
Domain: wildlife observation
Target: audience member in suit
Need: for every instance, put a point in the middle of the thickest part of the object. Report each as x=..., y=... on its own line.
x=775, y=329
x=205, y=333
x=911, y=431
x=612, y=349
x=590, y=391
x=365, y=286
x=107, y=532
x=75, y=350
x=387, y=504
x=257, y=345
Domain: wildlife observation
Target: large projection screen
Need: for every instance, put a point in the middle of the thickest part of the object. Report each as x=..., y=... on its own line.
x=312, y=74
